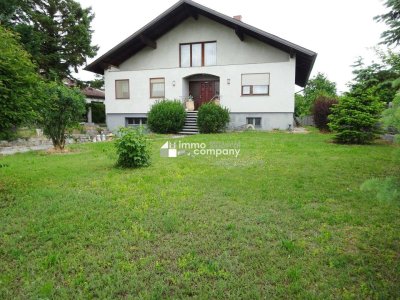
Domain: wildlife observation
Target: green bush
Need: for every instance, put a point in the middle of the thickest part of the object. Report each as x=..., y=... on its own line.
x=212, y=118
x=355, y=120
x=98, y=113
x=20, y=96
x=321, y=110
x=61, y=111
x=391, y=116
x=166, y=116
x=132, y=148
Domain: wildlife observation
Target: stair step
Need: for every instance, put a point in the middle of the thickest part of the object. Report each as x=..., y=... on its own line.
x=190, y=129
x=187, y=133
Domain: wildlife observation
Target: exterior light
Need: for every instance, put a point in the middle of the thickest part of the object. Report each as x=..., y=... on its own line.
x=228, y=81
x=173, y=83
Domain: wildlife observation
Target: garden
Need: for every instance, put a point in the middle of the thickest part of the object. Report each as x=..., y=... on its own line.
x=294, y=215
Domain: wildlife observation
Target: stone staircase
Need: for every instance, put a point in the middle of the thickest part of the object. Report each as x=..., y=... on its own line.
x=190, y=126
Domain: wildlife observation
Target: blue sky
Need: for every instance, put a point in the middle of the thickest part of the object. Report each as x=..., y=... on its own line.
x=339, y=31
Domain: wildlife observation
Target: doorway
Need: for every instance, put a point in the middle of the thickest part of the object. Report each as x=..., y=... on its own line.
x=203, y=91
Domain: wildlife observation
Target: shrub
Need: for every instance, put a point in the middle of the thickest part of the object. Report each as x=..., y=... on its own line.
x=391, y=116
x=212, y=118
x=62, y=110
x=19, y=95
x=355, y=119
x=166, y=116
x=98, y=113
x=321, y=110
x=132, y=148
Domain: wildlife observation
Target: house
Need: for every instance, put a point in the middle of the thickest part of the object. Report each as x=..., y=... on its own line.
x=193, y=51
x=93, y=97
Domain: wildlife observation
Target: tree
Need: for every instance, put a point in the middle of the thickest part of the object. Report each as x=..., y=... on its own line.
x=392, y=20
x=56, y=32
x=355, y=120
x=19, y=94
x=61, y=110
x=321, y=111
x=391, y=116
x=377, y=77
x=97, y=83
x=319, y=85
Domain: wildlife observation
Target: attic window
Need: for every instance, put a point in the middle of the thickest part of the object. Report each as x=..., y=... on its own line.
x=198, y=54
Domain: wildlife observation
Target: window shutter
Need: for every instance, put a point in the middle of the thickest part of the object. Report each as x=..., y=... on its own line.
x=255, y=79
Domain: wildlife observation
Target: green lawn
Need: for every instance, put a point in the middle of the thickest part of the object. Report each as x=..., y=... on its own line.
x=285, y=219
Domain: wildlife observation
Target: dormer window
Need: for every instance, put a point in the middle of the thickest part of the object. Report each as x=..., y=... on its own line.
x=198, y=54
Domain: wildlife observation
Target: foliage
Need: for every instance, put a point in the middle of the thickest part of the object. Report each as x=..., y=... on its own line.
x=98, y=113
x=391, y=36
x=61, y=110
x=391, y=116
x=301, y=107
x=201, y=228
x=212, y=118
x=132, y=148
x=321, y=110
x=19, y=94
x=166, y=116
x=56, y=33
x=317, y=86
x=97, y=83
x=387, y=189
x=377, y=78
x=355, y=120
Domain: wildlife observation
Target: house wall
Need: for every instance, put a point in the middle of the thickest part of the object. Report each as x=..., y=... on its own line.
x=234, y=58
x=230, y=50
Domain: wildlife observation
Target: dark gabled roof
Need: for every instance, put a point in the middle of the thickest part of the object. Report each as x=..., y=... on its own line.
x=184, y=9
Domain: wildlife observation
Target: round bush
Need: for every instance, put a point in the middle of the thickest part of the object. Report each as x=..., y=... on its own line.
x=132, y=148
x=166, y=116
x=212, y=118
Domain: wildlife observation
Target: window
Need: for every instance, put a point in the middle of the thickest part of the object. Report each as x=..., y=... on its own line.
x=122, y=89
x=135, y=121
x=256, y=122
x=157, y=87
x=255, y=84
x=198, y=54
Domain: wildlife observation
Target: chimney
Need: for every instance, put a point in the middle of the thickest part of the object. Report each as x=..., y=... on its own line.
x=238, y=17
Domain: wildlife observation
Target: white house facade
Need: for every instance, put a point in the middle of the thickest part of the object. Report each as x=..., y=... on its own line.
x=191, y=51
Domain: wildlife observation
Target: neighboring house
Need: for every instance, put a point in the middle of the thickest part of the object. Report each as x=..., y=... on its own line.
x=92, y=96
x=193, y=51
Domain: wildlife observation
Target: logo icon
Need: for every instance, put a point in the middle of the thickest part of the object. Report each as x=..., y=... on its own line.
x=168, y=150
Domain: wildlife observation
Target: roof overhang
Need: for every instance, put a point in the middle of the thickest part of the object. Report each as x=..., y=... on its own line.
x=148, y=35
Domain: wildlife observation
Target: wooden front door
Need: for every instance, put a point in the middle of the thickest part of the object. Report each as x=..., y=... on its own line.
x=202, y=92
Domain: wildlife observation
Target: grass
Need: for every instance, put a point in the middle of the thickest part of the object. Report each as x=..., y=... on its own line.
x=286, y=219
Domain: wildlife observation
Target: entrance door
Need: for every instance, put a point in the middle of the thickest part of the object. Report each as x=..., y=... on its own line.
x=202, y=92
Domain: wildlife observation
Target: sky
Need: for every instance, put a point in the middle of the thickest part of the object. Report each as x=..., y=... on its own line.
x=339, y=31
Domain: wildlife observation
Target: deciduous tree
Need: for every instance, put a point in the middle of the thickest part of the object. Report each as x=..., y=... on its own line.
x=19, y=95
x=62, y=109
x=57, y=33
